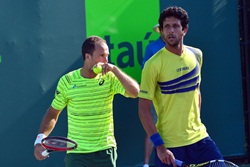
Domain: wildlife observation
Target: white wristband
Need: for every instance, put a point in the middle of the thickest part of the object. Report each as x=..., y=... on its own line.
x=39, y=138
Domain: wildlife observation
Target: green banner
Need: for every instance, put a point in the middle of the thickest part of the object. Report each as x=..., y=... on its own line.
x=127, y=26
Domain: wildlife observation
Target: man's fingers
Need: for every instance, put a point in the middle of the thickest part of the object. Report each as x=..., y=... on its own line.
x=173, y=162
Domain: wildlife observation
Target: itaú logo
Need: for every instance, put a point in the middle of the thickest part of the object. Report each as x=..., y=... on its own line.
x=128, y=54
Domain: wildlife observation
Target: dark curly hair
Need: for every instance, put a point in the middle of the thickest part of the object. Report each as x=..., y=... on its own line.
x=88, y=45
x=174, y=11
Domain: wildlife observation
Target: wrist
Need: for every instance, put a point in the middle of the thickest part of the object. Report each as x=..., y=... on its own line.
x=156, y=139
x=113, y=68
x=39, y=138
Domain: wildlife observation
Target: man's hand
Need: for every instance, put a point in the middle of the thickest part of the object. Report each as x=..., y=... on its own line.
x=38, y=149
x=165, y=155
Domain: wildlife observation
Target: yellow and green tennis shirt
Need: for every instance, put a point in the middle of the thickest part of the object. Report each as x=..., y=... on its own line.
x=89, y=108
x=172, y=83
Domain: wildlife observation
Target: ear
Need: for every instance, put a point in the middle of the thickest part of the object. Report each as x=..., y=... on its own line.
x=185, y=31
x=87, y=56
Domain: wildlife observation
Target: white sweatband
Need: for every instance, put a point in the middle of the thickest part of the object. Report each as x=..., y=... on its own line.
x=39, y=138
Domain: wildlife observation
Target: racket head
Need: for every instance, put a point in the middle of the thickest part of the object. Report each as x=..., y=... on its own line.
x=212, y=163
x=221, y=163
x=58, y=143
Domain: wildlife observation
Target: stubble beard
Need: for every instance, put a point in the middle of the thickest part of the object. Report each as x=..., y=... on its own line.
x=173, y=43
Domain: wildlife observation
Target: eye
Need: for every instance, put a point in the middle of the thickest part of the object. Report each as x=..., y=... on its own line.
x=176, y=26
x=105, y=55
x=167, y=26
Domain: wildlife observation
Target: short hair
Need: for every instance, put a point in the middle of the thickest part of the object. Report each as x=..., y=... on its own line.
x=88, y=45
x=174, y=11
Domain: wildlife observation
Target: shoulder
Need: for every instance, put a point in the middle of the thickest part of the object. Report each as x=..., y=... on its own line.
x=158, y=57
x=196, y=51
x=70, y=76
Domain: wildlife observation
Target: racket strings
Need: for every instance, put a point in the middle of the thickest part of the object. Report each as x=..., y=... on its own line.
x=59, y=143
x=221, y=163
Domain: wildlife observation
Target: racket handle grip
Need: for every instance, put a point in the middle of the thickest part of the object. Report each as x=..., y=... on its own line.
x=178, y=162
x=45, y=153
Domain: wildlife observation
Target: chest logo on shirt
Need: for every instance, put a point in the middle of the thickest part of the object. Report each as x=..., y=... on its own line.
x=184, y=83
x=182, y=69
x=101, y=81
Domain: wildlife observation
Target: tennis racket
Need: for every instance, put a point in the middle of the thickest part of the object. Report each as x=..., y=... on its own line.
x=212, y=163
x=57, y=143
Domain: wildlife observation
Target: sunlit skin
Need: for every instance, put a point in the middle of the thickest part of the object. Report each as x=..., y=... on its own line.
x=173, y=34
x=100, y=55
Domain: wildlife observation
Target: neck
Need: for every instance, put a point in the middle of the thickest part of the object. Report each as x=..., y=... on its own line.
x=87, y=73
x=178, y=49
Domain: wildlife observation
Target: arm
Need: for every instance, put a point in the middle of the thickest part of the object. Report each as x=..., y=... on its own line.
x=146, y=117
x=49, y=121
x=130, y=85
x=46, y=127
x=165, y=155
x=200, y=99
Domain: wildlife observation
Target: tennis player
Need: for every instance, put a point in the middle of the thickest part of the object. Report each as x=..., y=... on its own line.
x=171, y=80
x=88, y=97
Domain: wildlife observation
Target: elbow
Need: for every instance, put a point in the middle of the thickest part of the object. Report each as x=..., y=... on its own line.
x=135, y=96
x=134, y=92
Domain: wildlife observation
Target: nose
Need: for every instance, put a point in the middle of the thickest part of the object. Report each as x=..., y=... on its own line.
x=171, y=30
x=106, y=59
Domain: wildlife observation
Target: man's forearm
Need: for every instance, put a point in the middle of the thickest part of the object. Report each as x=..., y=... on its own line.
x=130, y=85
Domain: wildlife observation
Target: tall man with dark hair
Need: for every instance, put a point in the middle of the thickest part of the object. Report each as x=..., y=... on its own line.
x=171, y=79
